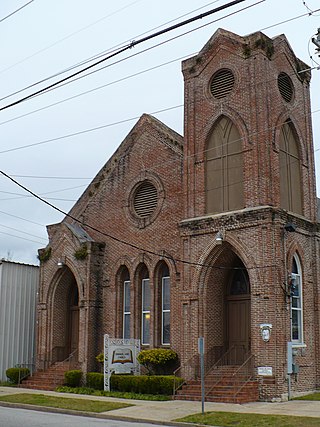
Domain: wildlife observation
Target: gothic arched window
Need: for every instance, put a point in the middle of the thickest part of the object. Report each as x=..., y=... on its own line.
x=224, y=168
x=290, y=170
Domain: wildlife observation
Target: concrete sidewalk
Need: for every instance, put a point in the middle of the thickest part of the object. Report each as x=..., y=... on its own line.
x=168, y=411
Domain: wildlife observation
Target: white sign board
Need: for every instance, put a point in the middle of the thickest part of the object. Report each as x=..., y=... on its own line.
x=120, y=357
x=265, y=371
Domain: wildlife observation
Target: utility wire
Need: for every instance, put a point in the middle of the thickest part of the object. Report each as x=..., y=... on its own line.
x=23, y=232
x=17, y=10
x=134, y=43
x=22, y=219
x=135, y=74
x=100, y=54
x=118, y=240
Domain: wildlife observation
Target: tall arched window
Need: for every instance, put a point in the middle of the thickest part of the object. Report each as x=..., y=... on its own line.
x=125, y=301
x=296, y=302
x=165, y=305
x=145, y=307
x=290, y=170
x=224, y=168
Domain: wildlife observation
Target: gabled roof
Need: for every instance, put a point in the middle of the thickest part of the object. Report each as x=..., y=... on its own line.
x=147, y=123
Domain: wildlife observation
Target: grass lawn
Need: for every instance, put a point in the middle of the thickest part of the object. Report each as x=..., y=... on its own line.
x=313, y=396
x=85, y=405
x=226, y=419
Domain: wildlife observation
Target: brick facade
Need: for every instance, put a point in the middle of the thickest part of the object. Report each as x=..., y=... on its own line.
x=178, y=233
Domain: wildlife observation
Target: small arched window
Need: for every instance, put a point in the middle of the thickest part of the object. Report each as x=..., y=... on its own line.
x=145, y=307
x=290, y=170
x=224, y=168
x=296, y=302
x=165, y=305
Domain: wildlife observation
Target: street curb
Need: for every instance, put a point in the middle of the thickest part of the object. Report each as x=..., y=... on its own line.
x=94, y=415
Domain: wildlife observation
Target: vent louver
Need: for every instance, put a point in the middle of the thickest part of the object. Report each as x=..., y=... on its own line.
x=222, y=84
x=145, y=199
x=285, y=87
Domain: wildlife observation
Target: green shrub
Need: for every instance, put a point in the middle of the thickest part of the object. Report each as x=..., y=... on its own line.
x=100, y=358
x=15, y=375
x=158, y=361
x=144, y=384
x=73, y=378
x=95, y=380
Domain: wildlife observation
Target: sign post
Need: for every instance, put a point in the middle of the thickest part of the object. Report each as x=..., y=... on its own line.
x=201, y=352
x=120, y=357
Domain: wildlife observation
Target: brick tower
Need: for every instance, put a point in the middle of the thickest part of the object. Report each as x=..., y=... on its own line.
x=250, y=209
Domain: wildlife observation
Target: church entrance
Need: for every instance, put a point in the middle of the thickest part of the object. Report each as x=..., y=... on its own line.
x=238, y=316
x=65, y=327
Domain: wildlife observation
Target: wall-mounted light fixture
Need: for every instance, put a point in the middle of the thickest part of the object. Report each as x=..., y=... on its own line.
x=60, y=263
x=219, y=238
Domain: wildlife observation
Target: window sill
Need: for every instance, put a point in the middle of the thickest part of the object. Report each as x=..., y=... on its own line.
x=299, y=345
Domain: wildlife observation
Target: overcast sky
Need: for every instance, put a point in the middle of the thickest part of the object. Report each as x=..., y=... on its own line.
x=47, y=37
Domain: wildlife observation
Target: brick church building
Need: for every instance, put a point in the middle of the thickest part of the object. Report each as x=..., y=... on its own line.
x=212, y=234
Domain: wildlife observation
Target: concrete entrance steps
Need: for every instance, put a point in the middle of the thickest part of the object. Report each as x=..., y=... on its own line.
x=223, y=384
x=47, y=379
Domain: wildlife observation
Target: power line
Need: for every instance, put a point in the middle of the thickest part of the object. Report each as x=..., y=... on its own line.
x=136, y=74
x=23, y=219
x=23, y=232
x=23, y=238
x=118, y=240
x=65, y=38
x=101, y=54
x=17, y=10
x=134, y=43
x=100, y=87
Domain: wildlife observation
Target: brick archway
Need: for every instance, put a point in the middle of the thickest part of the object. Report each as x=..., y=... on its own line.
x=65, y=317
x=226, y=311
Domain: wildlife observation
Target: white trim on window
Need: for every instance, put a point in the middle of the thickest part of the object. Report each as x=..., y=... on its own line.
x=296, y=304
x=126, y=309
x=145, y=312
x=165, y=310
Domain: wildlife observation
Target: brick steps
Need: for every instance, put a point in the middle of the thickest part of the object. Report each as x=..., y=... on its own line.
x=222, y=385
x=48, y=379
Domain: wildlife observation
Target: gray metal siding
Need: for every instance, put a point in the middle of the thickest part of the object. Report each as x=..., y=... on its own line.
x=18, y=293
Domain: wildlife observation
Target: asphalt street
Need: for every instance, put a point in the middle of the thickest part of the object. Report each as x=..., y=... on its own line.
x=15, y=417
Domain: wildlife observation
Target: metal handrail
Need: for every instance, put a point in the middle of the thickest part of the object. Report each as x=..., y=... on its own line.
x=29, y=365
x=249, y=375
x=193, y=366
x=61, y=363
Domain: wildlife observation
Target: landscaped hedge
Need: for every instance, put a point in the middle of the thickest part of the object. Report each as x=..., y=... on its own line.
x=144, y=384
x=95, y=380
x=73, y=378
x=15, y=375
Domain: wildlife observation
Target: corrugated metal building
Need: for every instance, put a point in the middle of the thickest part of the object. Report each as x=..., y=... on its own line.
x=18, y=293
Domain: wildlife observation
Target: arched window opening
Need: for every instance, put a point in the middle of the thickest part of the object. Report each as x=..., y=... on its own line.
x=224, y=168
x=145, y=307
x=296, y=302
x=165, y=305
x=290, y=170
x=126, y=304
x=240, y=283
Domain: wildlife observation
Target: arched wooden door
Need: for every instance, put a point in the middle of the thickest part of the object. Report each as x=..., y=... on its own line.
x=238, y=317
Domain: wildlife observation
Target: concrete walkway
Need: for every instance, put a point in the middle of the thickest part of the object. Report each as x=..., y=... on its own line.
x=168, y=411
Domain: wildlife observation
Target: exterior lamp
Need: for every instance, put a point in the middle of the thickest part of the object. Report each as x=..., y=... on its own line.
x=219, y=238
x=60, y=263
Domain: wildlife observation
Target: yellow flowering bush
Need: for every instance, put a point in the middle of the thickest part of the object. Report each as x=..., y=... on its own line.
x=158, y=361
